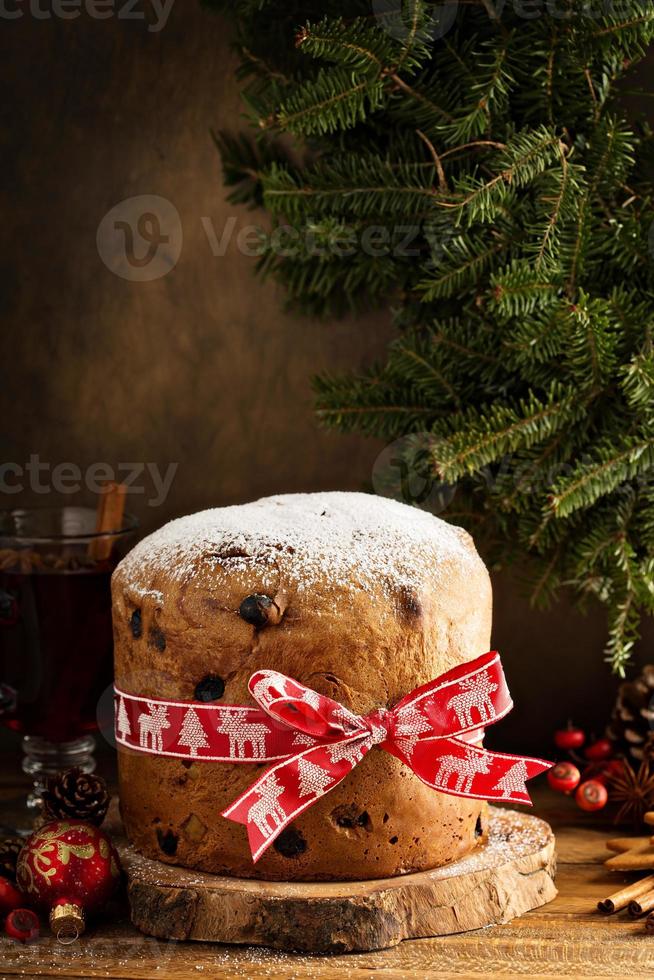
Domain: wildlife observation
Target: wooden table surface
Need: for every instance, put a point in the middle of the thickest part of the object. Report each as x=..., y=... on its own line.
x=566, y=938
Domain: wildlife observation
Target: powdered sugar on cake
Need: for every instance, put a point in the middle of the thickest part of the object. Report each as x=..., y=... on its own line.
x=355, y=540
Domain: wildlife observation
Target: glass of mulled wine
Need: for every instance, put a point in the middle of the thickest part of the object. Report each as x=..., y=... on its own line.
x=55, y=632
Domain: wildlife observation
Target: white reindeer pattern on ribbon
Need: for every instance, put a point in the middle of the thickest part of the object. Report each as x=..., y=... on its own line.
x=151, y=726
x=267, y=806
x=476, y=693
x=465, y=769
x=241, y=733
x=263, y=693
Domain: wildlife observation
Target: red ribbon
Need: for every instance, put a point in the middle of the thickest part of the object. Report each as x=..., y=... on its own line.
x=316, y=742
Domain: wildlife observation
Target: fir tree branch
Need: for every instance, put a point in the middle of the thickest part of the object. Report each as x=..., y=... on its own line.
x=489, y=93
x=404, y=86
x=638, y=381
x=460, y=62
x=471, y=352
x=329, y=186
x=549, y=75
x=472, y=146
x=525, y=157
x=463, y=262
x=364, y=54
x=509, y=501
x=333, y=100
x=609, y=139
x=556, y=213
x=262, y=66
x=593, y=94
x=355, y=45
x=413, y=30
x=538, y=591
x=611, y=469
x=623, y=618
x=344, y=190
x=490, y=10
x=482, y=439
x=625, y=25
x=431, y=370
x=442, y=180
x=522, y=288
x=524, y=303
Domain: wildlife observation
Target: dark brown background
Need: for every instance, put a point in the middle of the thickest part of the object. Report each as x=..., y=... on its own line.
x=201, y=367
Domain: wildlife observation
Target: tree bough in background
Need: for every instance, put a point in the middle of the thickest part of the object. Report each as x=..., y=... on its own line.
x=484, y=146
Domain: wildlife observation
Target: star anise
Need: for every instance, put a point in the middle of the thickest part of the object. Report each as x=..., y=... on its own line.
x=634, y=791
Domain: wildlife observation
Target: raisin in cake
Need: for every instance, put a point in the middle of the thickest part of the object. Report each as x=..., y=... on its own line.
x=369, y=599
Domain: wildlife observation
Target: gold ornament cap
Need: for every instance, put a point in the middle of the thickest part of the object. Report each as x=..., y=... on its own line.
x=67, y=922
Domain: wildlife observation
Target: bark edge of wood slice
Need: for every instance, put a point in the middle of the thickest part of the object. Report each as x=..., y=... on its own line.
x=508, y=875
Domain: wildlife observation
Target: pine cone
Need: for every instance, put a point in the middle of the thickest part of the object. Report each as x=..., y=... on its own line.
x=10, y=848
x=631, y=728
x=76, y=795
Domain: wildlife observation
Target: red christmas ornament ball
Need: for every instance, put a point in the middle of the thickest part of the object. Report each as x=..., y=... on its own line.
x=591, y=795
x=69, y=869
x=564, y=777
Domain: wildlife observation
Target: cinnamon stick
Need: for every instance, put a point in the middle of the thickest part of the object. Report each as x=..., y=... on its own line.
x=620, y=900
x=649, y=922
x=638, y=906
x=111, y=507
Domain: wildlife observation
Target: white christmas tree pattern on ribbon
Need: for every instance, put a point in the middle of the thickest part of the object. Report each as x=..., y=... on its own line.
x=301, y=739
x=410, y=724
x=192, y=735
x=122, y=719
x=351, y=752
x=313, y=779
x=513, y=781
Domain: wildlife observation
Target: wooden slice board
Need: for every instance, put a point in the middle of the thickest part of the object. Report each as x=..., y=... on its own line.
x=510, y=874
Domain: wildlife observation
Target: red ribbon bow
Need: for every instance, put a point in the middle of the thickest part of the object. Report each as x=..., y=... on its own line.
x=318, y=741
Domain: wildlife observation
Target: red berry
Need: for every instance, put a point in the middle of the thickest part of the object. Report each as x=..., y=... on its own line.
x=569, y=738
x=22, y=924
x=564, y=777
x=10, y=897
x=604, y=771
x=591, y=795
x=599, y=750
